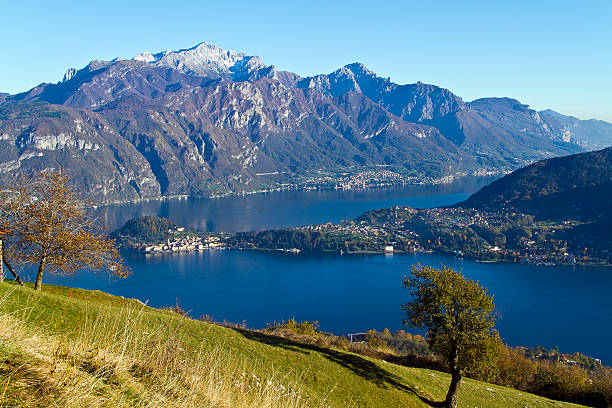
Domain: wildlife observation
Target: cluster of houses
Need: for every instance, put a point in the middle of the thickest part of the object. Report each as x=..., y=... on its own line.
x=188, y=244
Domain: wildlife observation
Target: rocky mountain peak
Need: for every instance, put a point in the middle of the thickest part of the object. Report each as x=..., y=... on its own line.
x=351, y=77
x=497, y=102
x=357, y=72
x=69, y=74
x=205, y=59
x=93, y=66
x=360, y=70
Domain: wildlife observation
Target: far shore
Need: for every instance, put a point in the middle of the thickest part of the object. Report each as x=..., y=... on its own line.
x=305, y=188
x=292, y=251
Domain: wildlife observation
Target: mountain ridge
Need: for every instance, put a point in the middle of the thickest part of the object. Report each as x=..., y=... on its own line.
x=207, y=121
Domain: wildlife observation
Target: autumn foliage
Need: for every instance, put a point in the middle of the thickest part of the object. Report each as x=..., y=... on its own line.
x=48, y=225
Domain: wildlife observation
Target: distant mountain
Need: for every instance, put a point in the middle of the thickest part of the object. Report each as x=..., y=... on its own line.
x=575, y=187
x=204, y=121
x=591, y=133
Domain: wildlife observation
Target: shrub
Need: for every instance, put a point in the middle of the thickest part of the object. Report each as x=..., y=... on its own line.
x=376, y=342
x=304, y=328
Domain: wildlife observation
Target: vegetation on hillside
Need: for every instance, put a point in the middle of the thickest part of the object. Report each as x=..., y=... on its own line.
x=147, y=229
x=549, y=373
x=109, y=351
x=555, y=211
x=577, y=187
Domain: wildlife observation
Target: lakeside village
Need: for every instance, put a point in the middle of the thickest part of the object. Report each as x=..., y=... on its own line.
x=466, y=233
x=185, y=242
x=480, y=235
x=381, y=175
x=344, y=179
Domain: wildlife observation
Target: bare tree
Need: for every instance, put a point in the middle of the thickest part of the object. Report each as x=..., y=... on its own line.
x=51, y=226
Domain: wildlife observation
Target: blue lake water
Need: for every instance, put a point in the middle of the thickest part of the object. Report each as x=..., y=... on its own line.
x=569, y=307
x=290, y=208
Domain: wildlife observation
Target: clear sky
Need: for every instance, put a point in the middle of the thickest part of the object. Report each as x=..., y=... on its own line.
x=548, y=54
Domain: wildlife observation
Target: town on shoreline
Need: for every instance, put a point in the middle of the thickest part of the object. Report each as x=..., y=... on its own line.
x=483, y=236
x=186, y=242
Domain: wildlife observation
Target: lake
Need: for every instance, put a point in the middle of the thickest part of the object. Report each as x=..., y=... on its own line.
x=290, y=208
x=568, y=307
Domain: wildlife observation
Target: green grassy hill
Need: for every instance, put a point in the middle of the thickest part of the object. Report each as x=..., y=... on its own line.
x=73, y=348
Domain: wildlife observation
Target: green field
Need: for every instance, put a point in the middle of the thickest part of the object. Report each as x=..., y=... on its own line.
x=74, y=348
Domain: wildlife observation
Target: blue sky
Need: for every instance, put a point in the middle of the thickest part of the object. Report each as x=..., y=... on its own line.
x=548, y=54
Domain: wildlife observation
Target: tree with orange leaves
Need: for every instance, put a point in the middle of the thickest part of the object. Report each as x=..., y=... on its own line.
x=49, y=225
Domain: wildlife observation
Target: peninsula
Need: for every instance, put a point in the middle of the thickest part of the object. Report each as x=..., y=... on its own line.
x=560, y=217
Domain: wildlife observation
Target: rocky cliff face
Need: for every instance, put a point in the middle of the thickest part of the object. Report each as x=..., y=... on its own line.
x=37, y=136
x=205, y=121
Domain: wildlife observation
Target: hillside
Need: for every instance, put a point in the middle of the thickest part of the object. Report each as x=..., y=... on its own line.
x=205, y=121
x=72, y=348
x=573, y=187
x=146, y=230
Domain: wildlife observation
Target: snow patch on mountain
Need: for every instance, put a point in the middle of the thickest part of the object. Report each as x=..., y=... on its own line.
x=206, y=60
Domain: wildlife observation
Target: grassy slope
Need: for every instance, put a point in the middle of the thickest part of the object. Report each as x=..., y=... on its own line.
x=71, y=347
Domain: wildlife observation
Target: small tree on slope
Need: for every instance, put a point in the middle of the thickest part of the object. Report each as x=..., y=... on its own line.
x=458, y=316
x=50, y=226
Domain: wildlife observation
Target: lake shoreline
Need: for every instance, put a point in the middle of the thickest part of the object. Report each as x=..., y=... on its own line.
x=372, y=187
x=297, y=252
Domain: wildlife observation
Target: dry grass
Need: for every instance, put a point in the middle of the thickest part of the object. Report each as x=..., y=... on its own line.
x=128, y=360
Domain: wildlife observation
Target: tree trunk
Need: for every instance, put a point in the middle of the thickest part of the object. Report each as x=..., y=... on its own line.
x=1, y=263
x=41, y=269
x=453, y=391
x=10, y=268
x=452, y=396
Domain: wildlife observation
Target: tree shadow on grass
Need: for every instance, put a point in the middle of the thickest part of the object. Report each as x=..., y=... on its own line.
x=362, y=367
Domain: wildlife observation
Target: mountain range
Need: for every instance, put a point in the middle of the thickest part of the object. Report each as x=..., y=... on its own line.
x=205, y=121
